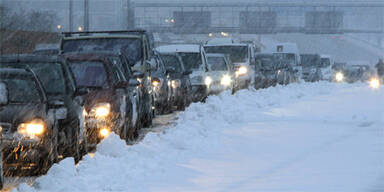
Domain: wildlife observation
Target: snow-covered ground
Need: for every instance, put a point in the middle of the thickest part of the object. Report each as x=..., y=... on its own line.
x=303, y=137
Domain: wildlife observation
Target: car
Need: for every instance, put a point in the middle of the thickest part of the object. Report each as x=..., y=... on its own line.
x=28, y=122
x=59, y=85
x=311, y=67
x=46, y=49
x=327, y=62
x=135, y=44
x=354, y=73
x=108, y=100
x=288, y=53
x=265, y=71
x=180, y=81
x=221, y=73
x=162, y=87
x=241, y=55
x=194, y=60
x=286, y=72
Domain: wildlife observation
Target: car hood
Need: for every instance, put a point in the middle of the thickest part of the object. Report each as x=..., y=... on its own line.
x=217, y=75
x=16, y=114
x=98, y=96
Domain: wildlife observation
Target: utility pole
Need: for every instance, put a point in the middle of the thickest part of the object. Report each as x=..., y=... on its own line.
x=86, y=15
x=70, y=15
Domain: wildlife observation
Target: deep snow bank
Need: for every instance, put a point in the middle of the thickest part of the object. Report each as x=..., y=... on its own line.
x=199, y=130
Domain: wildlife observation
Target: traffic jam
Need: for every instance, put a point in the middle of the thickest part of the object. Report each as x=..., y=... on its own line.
x=62, y=103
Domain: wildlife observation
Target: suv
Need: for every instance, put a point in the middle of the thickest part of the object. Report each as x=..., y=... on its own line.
x=265, y=71
x=311, y=70
x=108, y=101
x=180, y=81
x=136, y=45
x=194, y=60
x=60, y=86
x=28, y=122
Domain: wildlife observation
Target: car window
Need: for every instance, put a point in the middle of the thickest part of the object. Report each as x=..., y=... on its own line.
x=22, y=90
x=51, y=76
x=89, y=73
x=191, y=61
x=237, y=54
x=172, y=61
x=217, y=64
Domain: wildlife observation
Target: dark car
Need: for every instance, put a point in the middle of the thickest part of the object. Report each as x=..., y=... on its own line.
x=180, y=81
x=354, y=73
x=265, y=71
x=108, y=103
x=162, y=87
x=28, y=122
x=136, y=45
x=59, y=85
x=311, y=67
x=286, y=73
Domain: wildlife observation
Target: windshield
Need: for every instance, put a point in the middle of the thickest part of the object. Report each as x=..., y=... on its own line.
x=310, y=60
x=217, y=64
x=171, y=61
x=21, y=89
x=237, y=54
x=191, y=61
x=325, y=62
x=130, y=47
x=51, y=76
x=290, y=58
x=267, y=63
x=89, y=73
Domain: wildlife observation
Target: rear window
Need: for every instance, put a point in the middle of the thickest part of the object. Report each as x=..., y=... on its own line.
x=89, y=73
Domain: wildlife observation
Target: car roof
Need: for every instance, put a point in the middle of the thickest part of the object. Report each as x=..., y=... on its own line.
x=29, y=58
x=179, y=48
x=19, y=71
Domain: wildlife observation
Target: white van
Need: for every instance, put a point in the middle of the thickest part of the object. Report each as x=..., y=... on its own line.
x=242, y=55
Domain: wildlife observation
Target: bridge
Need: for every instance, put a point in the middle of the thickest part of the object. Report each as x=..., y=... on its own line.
x=260, y=17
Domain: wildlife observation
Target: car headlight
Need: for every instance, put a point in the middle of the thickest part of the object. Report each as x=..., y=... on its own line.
x=339, y=76
x=33, y=128
x=374, y=83
x=242, y=70
x=278, y=72
x=155, y=82
x=208, y=81
x=104, y=132
x=100, y=110
x=226, y=80
x=175, y=83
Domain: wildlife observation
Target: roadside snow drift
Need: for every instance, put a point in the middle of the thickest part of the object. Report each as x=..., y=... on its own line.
x=302, y=137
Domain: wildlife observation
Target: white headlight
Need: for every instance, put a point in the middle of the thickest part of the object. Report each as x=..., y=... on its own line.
x=226, y=80
x=242, y=70
x=100, y=110
x=339, y=76
x=208, y=81
x=374, y=83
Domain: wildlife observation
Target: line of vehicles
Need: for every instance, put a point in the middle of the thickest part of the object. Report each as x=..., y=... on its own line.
x=62, y=102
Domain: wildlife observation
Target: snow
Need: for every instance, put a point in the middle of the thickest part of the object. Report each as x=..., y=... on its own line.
x=182, y=48
x=301, y=137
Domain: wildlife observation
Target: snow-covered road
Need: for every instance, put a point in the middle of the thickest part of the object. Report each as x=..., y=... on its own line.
x=302, y=137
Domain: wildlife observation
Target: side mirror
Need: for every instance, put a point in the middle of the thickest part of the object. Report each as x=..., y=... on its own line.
x=121, y=85
x=59, y=107
x=3, y=94
x=134, y=83
x=138, y=74
x=187, y=72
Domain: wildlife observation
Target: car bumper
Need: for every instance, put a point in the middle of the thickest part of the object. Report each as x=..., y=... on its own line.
x=25, y=153
x=243, y=81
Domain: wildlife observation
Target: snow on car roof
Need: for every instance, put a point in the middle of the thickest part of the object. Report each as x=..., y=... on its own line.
x=189, y=48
